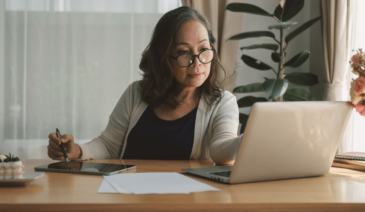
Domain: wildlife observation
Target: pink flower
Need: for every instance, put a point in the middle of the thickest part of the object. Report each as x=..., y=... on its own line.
x=360, y=108
x=359, y=85
x=354, y=97
x=356, y=58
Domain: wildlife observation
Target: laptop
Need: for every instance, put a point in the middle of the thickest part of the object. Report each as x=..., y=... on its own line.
x=285, y=140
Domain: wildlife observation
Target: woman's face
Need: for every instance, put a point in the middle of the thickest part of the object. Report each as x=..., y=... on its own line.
x=192, y=37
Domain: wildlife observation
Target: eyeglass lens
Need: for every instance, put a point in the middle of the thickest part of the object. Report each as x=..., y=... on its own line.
x=187, y=59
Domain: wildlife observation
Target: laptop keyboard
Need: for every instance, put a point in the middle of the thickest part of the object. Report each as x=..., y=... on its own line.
x=224, y=174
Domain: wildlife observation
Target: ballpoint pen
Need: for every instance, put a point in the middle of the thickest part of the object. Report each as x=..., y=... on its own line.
x=62, y=146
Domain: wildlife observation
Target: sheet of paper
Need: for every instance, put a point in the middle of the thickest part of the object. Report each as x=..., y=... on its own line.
x=110, y=187
x=117, y=187
x=158, y=183
x=105, y=187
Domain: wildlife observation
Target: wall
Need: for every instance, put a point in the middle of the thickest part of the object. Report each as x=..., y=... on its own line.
x=309, y=40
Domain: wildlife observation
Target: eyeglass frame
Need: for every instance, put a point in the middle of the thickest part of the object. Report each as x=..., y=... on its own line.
x=196, y=55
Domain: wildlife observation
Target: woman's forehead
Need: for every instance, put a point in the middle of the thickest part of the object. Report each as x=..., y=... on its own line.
x=191, y=33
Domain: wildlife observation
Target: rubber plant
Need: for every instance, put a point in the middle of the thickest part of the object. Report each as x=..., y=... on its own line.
x=275, y=88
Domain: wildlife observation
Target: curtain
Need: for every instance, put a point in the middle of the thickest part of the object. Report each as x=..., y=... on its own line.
x=338, y=40
x=224, y=24
x=65, y=63
x=354, y=137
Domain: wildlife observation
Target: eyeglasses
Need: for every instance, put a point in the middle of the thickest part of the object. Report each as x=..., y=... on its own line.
x=186, y=59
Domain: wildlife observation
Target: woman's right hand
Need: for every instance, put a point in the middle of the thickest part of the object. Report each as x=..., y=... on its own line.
x=54, y=149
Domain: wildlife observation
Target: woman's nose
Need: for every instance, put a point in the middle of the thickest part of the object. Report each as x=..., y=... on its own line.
x=195, y=61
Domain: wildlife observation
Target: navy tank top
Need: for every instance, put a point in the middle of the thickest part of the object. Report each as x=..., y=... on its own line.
x=154, y=138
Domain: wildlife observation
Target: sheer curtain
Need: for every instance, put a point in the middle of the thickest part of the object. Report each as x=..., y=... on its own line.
x=65, y=63
x=354, y=138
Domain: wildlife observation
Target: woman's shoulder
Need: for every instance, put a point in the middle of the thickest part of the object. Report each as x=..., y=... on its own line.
x=135, y=86
x=132, y=93
x=134, y=89
x=226, y=96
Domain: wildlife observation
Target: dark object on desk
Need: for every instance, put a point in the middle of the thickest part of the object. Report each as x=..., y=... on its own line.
x=79, y=167
x=351, y=156
x=62, y=145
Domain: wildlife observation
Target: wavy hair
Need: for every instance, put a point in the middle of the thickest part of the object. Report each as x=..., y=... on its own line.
x=158, y=85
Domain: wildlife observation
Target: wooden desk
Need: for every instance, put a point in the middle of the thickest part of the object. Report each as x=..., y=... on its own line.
x=340, y=190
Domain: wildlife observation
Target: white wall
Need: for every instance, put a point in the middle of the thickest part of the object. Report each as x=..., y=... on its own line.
x=309, y=40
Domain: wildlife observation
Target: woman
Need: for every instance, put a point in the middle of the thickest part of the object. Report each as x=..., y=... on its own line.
x=178, y=110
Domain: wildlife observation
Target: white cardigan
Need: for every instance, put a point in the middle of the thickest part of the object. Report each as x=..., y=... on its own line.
x=215, y=135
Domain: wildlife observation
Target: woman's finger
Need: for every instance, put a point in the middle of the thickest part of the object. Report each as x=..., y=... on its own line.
x=53, y=153
x=53, y=137
x=67, y=138
x=54, y=146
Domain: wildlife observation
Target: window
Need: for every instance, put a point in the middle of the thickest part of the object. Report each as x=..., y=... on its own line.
x=66, y=64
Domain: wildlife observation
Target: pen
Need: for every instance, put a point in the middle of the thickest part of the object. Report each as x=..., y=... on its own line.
x=62, y=146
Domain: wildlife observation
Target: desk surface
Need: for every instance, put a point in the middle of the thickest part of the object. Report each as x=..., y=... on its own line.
x=340, y=190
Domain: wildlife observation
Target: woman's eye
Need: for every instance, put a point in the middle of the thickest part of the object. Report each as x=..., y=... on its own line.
x=204, y=49
x=182, y=52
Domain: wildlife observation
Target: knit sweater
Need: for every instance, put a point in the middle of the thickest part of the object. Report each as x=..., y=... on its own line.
x=215, y=135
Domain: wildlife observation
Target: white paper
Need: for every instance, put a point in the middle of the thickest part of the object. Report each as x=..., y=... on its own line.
x=105, y=187
x=158, y=183
x=110, y=187
x=117, y=187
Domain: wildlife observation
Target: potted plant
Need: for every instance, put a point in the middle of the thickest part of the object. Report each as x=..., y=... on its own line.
x=275, y=88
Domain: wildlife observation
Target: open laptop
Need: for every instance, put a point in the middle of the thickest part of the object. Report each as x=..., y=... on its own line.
x=285, y=140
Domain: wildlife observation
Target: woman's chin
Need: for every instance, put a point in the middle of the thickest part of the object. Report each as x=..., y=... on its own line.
x=195, y=83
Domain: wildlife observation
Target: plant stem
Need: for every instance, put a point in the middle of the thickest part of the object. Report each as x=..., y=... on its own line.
x=274, y=71
x=281, y=62
x=281, y=52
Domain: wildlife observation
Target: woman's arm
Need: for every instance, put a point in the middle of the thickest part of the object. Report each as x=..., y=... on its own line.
x=225, y=142
x=109, y=143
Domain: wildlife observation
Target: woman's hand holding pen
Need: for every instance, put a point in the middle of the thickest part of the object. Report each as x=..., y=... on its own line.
x=54, y=149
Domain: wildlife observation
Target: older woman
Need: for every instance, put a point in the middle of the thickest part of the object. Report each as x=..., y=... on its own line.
x=178, y=110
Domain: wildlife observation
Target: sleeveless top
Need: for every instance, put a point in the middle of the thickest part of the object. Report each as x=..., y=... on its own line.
x=154, y=138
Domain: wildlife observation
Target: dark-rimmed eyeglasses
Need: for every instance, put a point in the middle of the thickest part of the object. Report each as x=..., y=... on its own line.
x=186, y=59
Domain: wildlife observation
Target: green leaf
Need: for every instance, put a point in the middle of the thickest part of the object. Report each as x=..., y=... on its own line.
x=275, y=57
x=301, y=29
x=298, y=94
x=298, y=59
x=243, y=117
x=254, y=87
x=275, y=87
x=306, y=79
x=269, y=46
x=291, y=8
x=248, y=101
x=253, y=63
x=284, y=25
x=247, y=8
x=278, y=12
x=254, y=34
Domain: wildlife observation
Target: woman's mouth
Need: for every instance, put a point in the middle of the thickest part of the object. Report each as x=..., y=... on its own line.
x=195, y=74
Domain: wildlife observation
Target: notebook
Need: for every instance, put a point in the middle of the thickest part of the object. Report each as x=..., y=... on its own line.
x=349, y=166
x=351, y=156
x=285, y=140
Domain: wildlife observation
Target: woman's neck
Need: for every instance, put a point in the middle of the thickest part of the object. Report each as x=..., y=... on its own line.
x=186, y=95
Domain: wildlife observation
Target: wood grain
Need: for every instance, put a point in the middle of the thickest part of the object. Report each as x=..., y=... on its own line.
x=340, y=190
